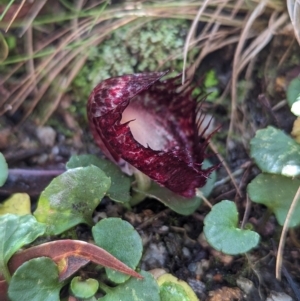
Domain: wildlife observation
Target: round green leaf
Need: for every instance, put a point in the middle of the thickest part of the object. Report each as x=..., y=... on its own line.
x=275, y=152
x=134, y=289
x=3, y=170
x=120, y=183
x=293, y=95
x=35, y=280
x=120, y=239
x=277, y=193
x=71, y=198
x=84, y=288
x=222, y=233
x=173, y=289
x=15, y=232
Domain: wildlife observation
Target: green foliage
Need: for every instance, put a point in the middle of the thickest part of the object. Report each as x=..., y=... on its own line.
x=134, y=289
x=277, y=193
x=177, y=203
x=293, y=95
x=17, y=203
x=133, y=48
x=209, y=186
x=275, y=152
x=220, y=229
x=211, y=85
x=278, y=156
x=3, y=170
x=120, y=183
x=120, y=239
x=84, y=288
x=31, y=282
x=15, y=232
x=71, y=198
x=172, y=289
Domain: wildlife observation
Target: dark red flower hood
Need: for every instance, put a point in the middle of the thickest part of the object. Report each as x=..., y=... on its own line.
x=140, y=121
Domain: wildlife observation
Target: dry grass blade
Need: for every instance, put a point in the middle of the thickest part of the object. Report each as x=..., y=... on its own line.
x=222, y=160
x=33, y=12
x=15, y=15
x=30, y=63
x=294, y=12
x=242, y=58
x=236, y=60
x=284, y=233
x=190, y=35
x=224, y=20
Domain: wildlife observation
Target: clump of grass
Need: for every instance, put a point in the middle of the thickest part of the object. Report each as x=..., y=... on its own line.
x=52, y=59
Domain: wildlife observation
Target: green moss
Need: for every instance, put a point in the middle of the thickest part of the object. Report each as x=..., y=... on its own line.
x=157, y=44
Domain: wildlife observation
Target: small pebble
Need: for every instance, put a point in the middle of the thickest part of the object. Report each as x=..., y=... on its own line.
x=186, y=252
x=46, y=135
x=276, y=296
x=245, y=285
x=163, y=229
x=154, y=257
x=198, y=287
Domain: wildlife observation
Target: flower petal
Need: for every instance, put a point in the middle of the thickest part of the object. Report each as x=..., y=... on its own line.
x=176, y=164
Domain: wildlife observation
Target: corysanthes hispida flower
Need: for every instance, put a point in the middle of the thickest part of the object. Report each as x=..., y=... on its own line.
x=142, y=122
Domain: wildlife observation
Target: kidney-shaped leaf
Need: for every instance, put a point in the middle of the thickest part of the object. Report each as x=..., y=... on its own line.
x=15, y=232
x=17, y=203
x=173, y=289
x=293, y=95
x=275, y=152
x=71, y=198
x=135, y=289
x=120, y=183
x=222, y=233
x=84, y=288
x=120, y=239
x=35, y=280
x=3, y=170
x=277, y=193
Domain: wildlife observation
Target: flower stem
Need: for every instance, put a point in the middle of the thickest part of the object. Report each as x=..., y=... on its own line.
x=105, y=288
x=142, y=184
x=5, y=272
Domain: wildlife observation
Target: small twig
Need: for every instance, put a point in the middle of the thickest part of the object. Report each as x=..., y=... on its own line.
x=284, y=233
x=220, y=157
x=152, y=218
x=34, y=172
x=234, y=173
x=247, y=212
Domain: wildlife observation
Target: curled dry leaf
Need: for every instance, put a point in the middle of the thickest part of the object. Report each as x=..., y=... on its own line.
x=71, y=255
x=141, y=122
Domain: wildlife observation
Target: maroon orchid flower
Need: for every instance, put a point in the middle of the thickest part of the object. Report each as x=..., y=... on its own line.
x=140, y=121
